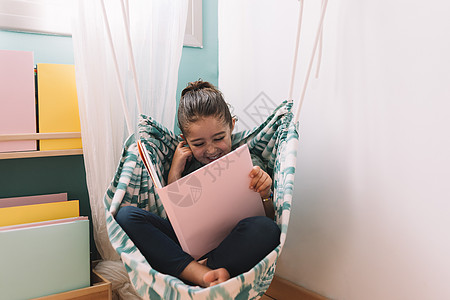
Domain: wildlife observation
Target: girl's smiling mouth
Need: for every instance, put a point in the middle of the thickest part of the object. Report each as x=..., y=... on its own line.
x=213, y=157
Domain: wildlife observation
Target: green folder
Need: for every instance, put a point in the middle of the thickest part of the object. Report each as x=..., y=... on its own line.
x=44, y=259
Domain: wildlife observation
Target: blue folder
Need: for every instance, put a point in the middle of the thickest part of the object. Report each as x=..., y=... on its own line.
x=44, y=259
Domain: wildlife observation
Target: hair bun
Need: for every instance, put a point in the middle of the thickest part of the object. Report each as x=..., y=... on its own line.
x=197, y=85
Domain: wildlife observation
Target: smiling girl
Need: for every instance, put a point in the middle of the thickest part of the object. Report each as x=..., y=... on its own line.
x=206, y=124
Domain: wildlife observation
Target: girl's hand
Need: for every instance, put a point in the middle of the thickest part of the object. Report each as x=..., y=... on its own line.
x=261, y=182
x=180, y=157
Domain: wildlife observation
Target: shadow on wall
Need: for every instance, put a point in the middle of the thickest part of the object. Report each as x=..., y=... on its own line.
x=322, y=200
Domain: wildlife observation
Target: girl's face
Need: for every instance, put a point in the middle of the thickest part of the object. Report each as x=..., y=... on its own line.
x=209, y=138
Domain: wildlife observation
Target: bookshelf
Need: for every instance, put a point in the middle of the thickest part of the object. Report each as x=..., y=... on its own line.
x=37, y=137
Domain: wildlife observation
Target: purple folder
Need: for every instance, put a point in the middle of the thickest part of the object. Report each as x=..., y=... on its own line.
x=207, y=204
x=30, y=200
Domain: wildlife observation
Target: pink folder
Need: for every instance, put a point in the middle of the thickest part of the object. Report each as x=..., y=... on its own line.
x=30, y=200
x=17, y=101
x=207, y=204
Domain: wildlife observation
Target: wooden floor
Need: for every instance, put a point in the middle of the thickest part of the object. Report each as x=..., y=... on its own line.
x=282, y=289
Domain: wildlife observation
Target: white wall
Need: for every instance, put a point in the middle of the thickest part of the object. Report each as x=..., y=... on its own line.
x=370, y=217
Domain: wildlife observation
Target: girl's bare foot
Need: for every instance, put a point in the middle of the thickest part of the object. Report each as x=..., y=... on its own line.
x=216, y=276
x=203, y=276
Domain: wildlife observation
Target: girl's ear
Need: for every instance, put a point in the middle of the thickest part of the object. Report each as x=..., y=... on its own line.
x=233, y=122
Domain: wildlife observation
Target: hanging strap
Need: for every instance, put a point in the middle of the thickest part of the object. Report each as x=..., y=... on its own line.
x=319, y=55
x=297, y=43
x=308, y=73
x=116, y=67
x=131, y=56
x=125, y=19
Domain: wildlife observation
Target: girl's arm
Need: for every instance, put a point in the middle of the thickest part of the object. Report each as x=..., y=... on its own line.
x=180, y=157
x=261, y=183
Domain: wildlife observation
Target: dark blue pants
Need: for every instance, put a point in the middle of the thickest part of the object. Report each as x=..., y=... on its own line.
x=248, y=243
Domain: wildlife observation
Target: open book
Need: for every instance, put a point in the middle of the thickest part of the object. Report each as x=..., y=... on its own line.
x=207, y=204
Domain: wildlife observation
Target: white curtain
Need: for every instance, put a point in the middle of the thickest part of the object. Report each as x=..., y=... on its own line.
x=370, y=211
x=156, y=30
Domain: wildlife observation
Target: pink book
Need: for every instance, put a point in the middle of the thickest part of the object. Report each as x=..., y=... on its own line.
x=30, y=200
x=207, y=204
x=17, y=98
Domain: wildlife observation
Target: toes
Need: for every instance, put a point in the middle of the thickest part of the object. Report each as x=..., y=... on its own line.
x=209, y=277
x=217, y=276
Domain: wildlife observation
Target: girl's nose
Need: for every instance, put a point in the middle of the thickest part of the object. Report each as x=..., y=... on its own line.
x=210, y=149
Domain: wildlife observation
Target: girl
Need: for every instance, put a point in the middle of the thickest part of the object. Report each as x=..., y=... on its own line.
x=206, y=125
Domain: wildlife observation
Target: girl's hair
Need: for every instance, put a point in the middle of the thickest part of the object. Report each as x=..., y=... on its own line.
x=202, y=99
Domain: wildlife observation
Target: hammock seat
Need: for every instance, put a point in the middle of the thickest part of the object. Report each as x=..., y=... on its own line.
x=274, y=142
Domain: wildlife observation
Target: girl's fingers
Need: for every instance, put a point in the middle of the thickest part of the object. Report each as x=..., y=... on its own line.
x=181, y=149
x=254, y=171
x=255, y=179
x=260, y=181
x=263, y=184
x=187, y=150
x=181, y=155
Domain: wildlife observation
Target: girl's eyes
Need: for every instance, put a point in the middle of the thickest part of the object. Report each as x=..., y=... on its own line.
x=216, y=140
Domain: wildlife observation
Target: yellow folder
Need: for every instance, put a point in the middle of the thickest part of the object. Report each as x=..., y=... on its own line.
x=39, y=212
x=57, y=105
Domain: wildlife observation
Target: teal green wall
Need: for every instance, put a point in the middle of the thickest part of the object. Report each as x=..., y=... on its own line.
x=34, y=176
x=48, y=49
x=201, y=63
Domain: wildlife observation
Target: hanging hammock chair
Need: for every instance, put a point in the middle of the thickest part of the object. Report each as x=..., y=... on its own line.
x=275, y=142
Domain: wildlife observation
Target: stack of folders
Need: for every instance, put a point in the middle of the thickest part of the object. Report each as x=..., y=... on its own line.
x=44, y=246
